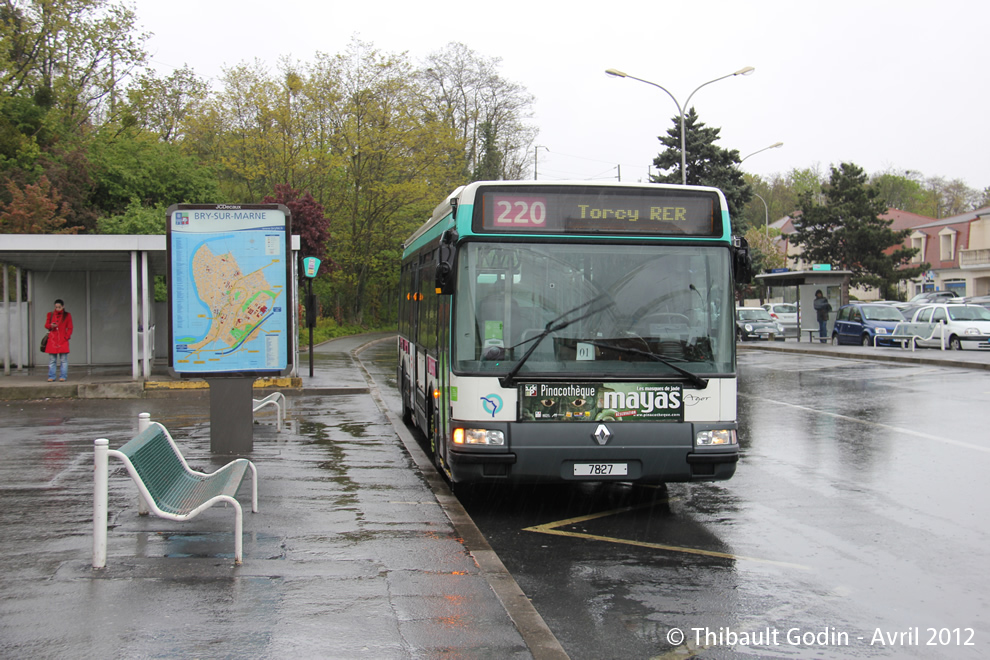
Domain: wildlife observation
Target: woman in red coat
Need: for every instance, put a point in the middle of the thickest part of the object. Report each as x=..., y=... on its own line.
x=59, y=325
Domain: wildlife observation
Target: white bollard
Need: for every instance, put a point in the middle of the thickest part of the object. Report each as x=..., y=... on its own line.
x=144, y=421
x=100, y=486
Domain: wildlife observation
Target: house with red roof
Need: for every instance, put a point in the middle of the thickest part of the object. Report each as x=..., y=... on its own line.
x=957, y=248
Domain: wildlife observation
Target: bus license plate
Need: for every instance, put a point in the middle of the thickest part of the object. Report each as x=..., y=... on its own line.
x=600, y=469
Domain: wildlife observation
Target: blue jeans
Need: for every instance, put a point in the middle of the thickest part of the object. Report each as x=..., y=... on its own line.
x=823, y=331
x=53, y=359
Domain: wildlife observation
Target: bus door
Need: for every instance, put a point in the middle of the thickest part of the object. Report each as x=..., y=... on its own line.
x=417, y=361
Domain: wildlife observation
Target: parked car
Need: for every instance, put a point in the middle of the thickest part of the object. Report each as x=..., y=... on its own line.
x=787, y=315
x=860, y=323
x=756, y=323
x=934, y=297
x=982, y=301
x=964, y=325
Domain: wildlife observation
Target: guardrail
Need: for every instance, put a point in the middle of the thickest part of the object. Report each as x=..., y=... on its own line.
x=912, y=332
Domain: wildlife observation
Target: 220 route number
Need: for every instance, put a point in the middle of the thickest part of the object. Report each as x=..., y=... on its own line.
x=512, y=211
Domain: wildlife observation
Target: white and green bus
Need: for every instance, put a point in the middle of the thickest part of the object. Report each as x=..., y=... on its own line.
x=570, y=331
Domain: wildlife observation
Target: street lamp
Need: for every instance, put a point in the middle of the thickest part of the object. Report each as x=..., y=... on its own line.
x=745, y=71
x=772, y=146
x=766, y=210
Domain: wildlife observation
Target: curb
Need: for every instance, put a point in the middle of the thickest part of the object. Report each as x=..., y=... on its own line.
x=129, y=389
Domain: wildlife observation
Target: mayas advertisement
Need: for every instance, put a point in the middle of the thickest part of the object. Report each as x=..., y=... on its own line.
x=607, y=402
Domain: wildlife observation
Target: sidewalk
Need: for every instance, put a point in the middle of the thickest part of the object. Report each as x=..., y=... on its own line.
x=354, y=553
x=116, y=382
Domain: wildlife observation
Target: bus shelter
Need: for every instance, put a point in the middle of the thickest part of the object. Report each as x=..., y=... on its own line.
x=799, y=286
x=107, y=283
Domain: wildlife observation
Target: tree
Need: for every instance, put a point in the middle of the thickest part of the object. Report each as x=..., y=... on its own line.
x=135, y=164
x=846, y=230
x=707, y=164
x=490, y=166
x=163, y=105
x=136, y=219
x=396, y=165
x=79, y=52
x=309, y=220
x=777, y=196
x=35, y=209
x=763, y=249
x=900, y=192
x=466, y=91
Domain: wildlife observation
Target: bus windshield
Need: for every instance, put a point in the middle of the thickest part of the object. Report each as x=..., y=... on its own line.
x=624, y=311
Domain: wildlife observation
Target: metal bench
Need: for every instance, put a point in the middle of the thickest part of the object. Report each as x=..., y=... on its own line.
x=911, y=332
x=276, y=399
x=813, y=333
x=166, y=484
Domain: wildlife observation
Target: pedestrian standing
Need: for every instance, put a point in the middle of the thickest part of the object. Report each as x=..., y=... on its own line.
x=822, y=308
x=59, y=326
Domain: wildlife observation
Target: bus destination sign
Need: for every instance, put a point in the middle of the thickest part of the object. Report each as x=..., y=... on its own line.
x=601, y=211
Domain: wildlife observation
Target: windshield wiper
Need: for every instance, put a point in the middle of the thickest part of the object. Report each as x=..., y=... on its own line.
x=693, y=378
x=508, y=380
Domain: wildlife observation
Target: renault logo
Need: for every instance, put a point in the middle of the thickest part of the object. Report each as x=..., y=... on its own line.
x=602, y=435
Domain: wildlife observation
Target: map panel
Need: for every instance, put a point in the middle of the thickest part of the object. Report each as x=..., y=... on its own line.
x=227, y=290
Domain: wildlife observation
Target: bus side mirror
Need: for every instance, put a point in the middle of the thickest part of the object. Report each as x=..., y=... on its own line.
x=444, y=279
x=742, y=262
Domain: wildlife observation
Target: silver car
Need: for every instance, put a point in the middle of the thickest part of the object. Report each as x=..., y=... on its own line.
x=786, y=314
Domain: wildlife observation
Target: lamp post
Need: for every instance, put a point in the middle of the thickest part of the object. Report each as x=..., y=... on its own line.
x=766, y=210
x=772, y=146
x=536, y=151
x=766, y=207
x=745, y=71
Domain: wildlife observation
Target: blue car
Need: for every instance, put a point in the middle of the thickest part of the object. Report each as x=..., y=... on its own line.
x=859, y=323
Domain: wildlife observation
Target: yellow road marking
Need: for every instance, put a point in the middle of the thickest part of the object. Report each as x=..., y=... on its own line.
x=553, y=529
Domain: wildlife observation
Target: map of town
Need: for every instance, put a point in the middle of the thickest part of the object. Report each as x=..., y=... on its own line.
x=238, y=302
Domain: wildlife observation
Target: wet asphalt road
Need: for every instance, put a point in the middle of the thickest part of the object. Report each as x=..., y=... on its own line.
x=856, y=526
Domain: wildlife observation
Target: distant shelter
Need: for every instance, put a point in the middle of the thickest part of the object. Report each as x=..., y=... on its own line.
x=106, y=282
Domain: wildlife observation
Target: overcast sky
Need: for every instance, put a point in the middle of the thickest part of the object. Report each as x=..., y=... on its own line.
x=898, y=85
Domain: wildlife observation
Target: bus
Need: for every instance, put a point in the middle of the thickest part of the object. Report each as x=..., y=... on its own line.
x=573, y=331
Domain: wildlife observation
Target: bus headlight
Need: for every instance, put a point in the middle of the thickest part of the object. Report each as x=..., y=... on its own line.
x=718, y=437
x=478, y=437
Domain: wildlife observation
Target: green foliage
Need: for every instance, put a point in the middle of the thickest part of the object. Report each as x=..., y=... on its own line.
x=328, y=328
x=75, y=53
x=900, y=192
x=706, y=163
x=763, y=249
x=136, y=219
x=846, y=230
x=163, y=105
x=490, y=166
x=136, y=165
